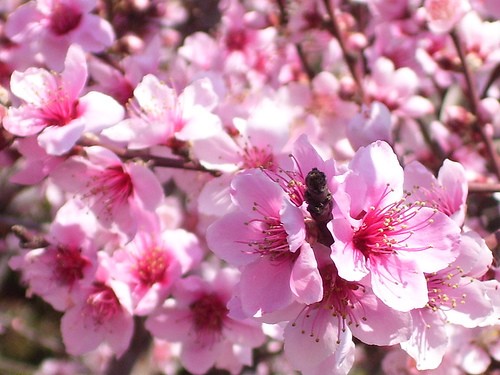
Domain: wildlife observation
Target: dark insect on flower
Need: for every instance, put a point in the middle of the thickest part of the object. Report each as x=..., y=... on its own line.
x=319, y=204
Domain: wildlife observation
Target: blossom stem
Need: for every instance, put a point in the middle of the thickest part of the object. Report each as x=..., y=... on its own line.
x=350, y=60
x=28, y=239
x=480, y=123
x=283, y=19
x=479, y=187
x=156, y=161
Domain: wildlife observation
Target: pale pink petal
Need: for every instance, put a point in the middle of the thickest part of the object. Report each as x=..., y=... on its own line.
x=200, y=124
x=23, y=121
x=292, y=219
x=57, y=140
x=379, y=167
x=416, y=106
x=472, y=307
x=94, y=33
x=33, y=85
x=304, y=351
x=429, y=340
x=378, y=324
x=79, y=332
x=306, y=282
x=199, y=359
x=265, y=286
x=436, y=238
x=75, y=73
x=21, y=20
x=170, y=324
x=147, y=188
x=99, y=111
x=399, y=284
x=229, y=239
x=350, y=262
x=255, y=187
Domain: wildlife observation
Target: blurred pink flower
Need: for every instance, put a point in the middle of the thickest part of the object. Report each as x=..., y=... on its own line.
x=198, y=319
x=443, y=15
x=52, y=26
x=52, y=106
x=152, y=263
x=100, y=313
x=118, y=193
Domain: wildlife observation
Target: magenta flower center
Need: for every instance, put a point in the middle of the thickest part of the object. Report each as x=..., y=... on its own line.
x=70, y=265
x=59, y=109
x=102, y=303
x=255, y=157
x=272, y=239
x=151, y=266
x=209, y=313
x=341, y=301
x=113, y=187
x=64, y=18
x=236, y=40
x=386, y=230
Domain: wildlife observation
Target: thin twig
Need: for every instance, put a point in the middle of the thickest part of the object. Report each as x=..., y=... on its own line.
x=155, y=161
x=28, y=239
x=475, y=105
x=479, y=187
x=350, y=60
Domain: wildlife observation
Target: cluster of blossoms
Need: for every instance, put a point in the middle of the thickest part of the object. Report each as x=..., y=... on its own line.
x=284, y=188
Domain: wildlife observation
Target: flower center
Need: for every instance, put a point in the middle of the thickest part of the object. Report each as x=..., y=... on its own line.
x=102, y=303
x=272, y=240
x=59, y=109
x=385, y=230
x=236, y=40
x=255, y=157
x=113, y=187
x=340, y=301
x=151, y=266
x=64, y=18
x=70, y=265
x=209, y=313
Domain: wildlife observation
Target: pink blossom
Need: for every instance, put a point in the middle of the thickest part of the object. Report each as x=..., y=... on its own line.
x=266, y=235
x=386, y=237
x=198, y=318
x=397, y=89
x=37, y=163
x=53, y=109
x=371, y=124
x=152, y=263
x=455, y=296
x=101, y=313
x=51, y=26
x=161, y=116
x=443, y=15
x=118, y=193
x=319, y=339
x=68, y=262
x=447, y=192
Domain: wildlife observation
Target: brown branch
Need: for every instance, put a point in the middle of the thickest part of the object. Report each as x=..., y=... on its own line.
x=155, y=161
x=27, y=239
x=479, y=187
x=350, y=60
x=473, y=97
